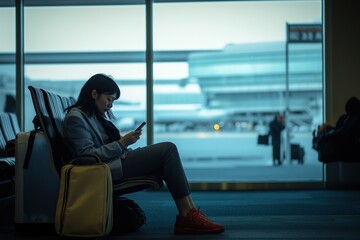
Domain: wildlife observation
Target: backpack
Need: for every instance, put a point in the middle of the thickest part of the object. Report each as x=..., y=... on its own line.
x=127, y=216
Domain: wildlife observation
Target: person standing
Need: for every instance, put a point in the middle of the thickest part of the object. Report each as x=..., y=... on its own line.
x=276, y=126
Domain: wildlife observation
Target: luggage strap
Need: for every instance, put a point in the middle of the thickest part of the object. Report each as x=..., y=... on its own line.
x=29, y=149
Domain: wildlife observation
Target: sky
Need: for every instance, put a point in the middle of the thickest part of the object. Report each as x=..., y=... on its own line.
x=181, y=26
x=177, y=26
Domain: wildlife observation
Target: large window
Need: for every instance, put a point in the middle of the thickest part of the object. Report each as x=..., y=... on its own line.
x=83, y=41
x=218, y=99
x=219, y=76
x=7, y=51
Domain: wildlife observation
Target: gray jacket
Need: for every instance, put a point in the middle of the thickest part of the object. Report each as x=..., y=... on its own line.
x=84, y=134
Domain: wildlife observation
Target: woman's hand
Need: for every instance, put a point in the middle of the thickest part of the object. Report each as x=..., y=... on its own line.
x=130, y=138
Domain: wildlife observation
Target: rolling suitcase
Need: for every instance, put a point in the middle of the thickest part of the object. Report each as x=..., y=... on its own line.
x=263, y=139
x=85, y=204
x=297, y=153
x=36, y=184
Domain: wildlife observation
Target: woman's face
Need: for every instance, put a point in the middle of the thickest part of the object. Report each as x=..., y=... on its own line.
x=103, y=101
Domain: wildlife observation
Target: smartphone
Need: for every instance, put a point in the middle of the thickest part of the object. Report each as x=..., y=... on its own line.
x=141, y=126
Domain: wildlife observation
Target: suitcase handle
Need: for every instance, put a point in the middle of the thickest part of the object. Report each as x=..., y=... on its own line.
x=85, y=159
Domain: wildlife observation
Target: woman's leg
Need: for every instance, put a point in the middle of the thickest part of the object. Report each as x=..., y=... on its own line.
x=184, y=205
x=161, y=159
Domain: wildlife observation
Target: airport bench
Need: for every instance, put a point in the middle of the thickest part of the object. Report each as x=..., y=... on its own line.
x=9, y=127
x=50, y=110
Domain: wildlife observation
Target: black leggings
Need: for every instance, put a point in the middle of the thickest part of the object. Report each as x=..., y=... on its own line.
x=161, y=160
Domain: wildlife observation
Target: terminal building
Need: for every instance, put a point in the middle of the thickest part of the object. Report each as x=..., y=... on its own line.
x=249, y=81
x=241, y=85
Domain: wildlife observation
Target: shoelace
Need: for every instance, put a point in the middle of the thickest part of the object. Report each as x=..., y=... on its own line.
x=200, y=216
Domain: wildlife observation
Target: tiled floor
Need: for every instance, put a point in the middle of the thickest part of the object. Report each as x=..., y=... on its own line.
x=312, y=214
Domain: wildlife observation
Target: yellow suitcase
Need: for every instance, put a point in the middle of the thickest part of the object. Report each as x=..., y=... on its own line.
x=84, y=207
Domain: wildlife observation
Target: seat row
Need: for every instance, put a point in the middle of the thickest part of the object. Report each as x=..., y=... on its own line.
x=50, y=111
x=34, y=178
x=9, y=127
x=37, y=174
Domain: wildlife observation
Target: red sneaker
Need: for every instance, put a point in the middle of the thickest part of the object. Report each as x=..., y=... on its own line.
x=196, y=223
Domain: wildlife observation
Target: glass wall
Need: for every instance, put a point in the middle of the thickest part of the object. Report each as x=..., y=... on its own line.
x=219, y=77
x=67, y=45
x=215, y=100
x=7, y=59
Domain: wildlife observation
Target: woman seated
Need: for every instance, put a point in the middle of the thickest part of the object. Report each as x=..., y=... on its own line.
x=86, y=130
x=341, y=142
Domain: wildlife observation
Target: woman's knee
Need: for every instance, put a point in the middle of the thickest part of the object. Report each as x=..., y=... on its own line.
x=170, y=149
x=170, y=145
x=166, y=145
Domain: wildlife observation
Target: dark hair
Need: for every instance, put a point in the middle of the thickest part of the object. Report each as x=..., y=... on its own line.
x=103, y=84
x=352, y=106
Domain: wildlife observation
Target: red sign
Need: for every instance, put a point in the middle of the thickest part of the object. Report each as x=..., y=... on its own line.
x=304, y=33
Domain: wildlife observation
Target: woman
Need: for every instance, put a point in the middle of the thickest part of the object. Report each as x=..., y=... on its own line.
x=87, y=131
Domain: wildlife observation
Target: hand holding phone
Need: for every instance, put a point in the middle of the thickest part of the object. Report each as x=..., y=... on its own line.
x=140, y=127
